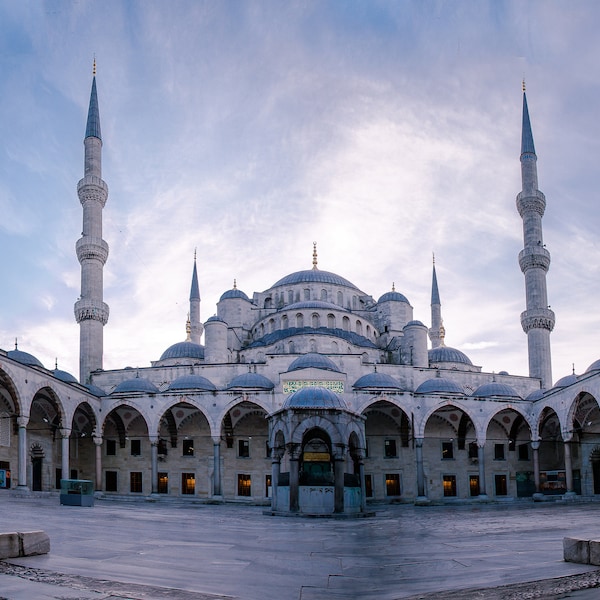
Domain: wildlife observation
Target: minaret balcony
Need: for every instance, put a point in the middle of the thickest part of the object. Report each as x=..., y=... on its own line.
x=87, y=309
x=535, y=257
x=91, y=248
x=537, y=318
x=92, y=189
x=535, y=202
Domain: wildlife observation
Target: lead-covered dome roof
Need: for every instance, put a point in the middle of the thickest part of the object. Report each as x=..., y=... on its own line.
x=24, y=358
x=495, y=389
x=393, y=297
x=314, y=276
x=448, y=354
x=314, y=397
x=377, y=380
x=566, y=381
x=183, y=350
x=439, y=385
x=234, y=293
x=64, y=376
x=137, y=384
x=313, y=360
x=251, y=380
x=192, y=382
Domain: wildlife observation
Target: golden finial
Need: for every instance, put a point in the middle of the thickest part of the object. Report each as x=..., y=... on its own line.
x=523, y=84
x=94, y=67
x=235, y=284
x=188, y=329
x=393, y=286
x=315, y=255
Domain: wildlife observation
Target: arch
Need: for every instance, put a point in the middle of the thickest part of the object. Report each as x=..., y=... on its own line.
x=316, y=320
x=331, y=321
x=299, y=320
x=316, y=458
x=271, y=325
x=359, y=327
x=340, y=299
x=291, y=347
x=268, y=302
x=10, y=389
x=324, y=295
x=284, y=322
x=346, y=323
x=317, y=421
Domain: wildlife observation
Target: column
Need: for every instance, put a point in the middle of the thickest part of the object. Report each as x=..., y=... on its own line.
x=22, y=423
x=568, y=468
x=154, y=463
x=420, y=471
x=294, y=451
x=64, y=462
x=535, y=447
x=98, y=444
x=338, y=472
x=217, y=491
x=481, y=461
x=276, y=455
x=361, y=475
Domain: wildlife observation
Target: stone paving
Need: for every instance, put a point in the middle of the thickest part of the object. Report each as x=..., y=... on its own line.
x=192, y=551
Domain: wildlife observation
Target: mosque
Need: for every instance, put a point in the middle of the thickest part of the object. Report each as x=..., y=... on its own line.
x=310, y=397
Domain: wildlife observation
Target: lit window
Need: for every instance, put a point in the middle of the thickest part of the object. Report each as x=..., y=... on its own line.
x=474, y=485
x=268, y=486
x=447, y=450
x=188, y=483
x=244, y=485
x=163, y=483
x=390, y=449
x=243, y=448
x=392, y=484
x=135, y=482
x=188, y=447
x=136, y=447
x=449, y=482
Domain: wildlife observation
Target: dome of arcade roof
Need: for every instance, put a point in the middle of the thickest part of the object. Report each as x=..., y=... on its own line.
x=24, y=358
x=313, y=360
x=137, y=384
x=314, y=397
x=314, y=276
x=488, y=390
x=595, y=366
x=189, y=382
x=448, y=354
x=64, y=376
x=439, y=385
x=535, y=395
x=251, y=380
x=183, y=350
x=566, y=381
x=377, y=380
x=94, y=389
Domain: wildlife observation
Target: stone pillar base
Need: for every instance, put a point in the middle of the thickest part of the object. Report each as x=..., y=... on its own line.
x=422, y=501
x=570, y=496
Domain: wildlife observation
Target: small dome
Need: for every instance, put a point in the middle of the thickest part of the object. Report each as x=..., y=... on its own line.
x=447, y=354
x=251, y=380
x=184, y=350
x=496, y=389
x=595, y=366
x=313, y=360
x=314, y=276
x=393, y=297
x=415, y=322
x=439, y=385
x=137, y=384
x=24, y=358
x=94, y=389
x=535, y=395
x=190, y=382
x=234, y=293
x=215, y=318
x=314, y=397
x=377, y=380
x=64, y=376
x=566, y=381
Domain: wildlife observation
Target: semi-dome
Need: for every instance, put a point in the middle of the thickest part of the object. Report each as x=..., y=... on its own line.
x=393, y=297
x=234, y=293
x=495, y=389
x=314, y=276
x=535, y=395
x=313, y=360
x=137, y=384
x=192, y=382
x=595, y=366
x=377, y=380
x=566, y=381
x=447, y=354
x=314, y=397
x=439, y=385
x=251, y=380
x=24, y=358
x=184, y=350
x=64, y=376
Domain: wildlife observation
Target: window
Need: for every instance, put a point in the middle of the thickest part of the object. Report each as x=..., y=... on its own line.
x=473, y=450
x=316, y=321
x=284, y=322
x=111, y=447
x=243, y=448
x=307, y=294
x=271, y=325
x=110, y=481
x=324, y=295
x=346, y=324
x=162, y=447
x=188, y=483
x=367, y=448
x=359, y=329
x=369, y=486
x=4, y=429
x=392, y=484
x=299, y=320
x=244, y=485
x=449, y=483
x=523, y=451
x=268, y=486
x=188, y=447
x=474, y=485
x=499, y=452
x=267, y=450
x=447, y=451
x=340, y=298
x=163, y=483
x=331, y=321
x=290, y=296
x=501, y=485
x=136, y=447
x=389, y=447
x=135, y=482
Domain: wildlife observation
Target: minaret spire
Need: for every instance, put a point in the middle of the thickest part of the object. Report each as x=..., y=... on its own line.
x=195, y=326
x=92, y=251
x=436, y=333
x=537, y=320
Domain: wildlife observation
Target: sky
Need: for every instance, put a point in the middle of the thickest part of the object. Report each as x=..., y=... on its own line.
x=246, y=130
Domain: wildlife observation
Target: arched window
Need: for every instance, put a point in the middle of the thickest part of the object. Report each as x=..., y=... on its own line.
x=299, y=320
x=306, y=294
x=261, y=330
x=291, y=348
x=331, y=321
x=346, y=324
x=290, y=296
x=271, y=325
x=324, y=295
x=340, y=298
x=268, y=302
x=284, y=322
x=313, y=345
x=316, y=322
x=354, y=301
x=359, y=327
x=368, y=331
x=334, y=347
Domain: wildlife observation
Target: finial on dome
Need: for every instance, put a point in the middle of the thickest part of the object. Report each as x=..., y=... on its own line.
x=573, y=368
x=235, y=284
x=94, y=67
x=16, y=345
x=393, y=286
x=55, y=362
x=315, y=255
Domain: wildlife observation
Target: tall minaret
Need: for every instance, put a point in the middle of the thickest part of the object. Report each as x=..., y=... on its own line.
x=436, y=333
x=92, y=251
x=196, y=327
x=534, y=260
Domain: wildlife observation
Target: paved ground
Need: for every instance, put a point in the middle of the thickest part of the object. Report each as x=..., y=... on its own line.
x=203, y=552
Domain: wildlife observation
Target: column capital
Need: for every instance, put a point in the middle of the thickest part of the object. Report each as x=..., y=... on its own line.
x=535, y=445
x=153, y=440
x=216, y=440
x=294, y=450
x=419, y=442
x=65, y=432
x=98, y=440
x=22, y=421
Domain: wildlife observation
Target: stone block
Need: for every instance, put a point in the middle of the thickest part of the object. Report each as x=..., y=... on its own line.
x=9, y=545
x=34, y=542
x=595, y=552
x=576, y=550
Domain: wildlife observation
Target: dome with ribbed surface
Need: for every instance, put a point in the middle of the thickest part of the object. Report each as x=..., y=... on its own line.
x=313, y=360
x=393, y=297
x=64, y=376
x=137, y=384
x=183, y=350
x=192, y=382
x=377, y=380
x=439, y=385
x=251, y=380
x=535, y=395
x=24, y=358
x=448, y=354
x=495, y=389
x=566, y=381
x=314, y=276
x=314, y=397
x=234, y=293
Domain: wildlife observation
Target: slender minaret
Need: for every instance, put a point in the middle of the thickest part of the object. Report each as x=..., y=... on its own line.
x=537, y=320
x=92, y=251
x=436, y=333
x=196, y=327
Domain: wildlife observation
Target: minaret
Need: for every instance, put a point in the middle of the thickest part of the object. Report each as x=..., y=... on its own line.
x=92, y=251
x=196, y=327
x=537, y=320
x=436, y=333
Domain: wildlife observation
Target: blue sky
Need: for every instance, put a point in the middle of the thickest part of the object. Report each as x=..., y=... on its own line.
x=384, y=131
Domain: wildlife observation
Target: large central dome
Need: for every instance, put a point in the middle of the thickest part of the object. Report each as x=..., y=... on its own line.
x=314, y=276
